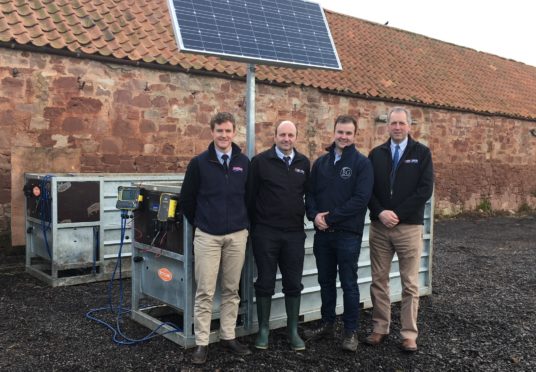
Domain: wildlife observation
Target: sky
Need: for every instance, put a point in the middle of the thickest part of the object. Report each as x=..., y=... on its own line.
x=506, y=28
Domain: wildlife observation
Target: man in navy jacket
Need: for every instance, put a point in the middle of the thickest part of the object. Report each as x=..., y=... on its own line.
x=403, y=182
x=277, y=184
x=213, y=199
x=341, y=185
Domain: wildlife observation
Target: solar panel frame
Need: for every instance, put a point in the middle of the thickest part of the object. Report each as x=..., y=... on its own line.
x=234, y=29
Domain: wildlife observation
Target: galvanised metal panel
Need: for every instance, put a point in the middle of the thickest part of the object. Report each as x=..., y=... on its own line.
x=81, y=249
x=311, y=302
x=74, y=245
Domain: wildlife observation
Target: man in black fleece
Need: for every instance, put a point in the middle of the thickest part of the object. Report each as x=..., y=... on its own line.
x=341, y=185
x=213, y=199
x=403, y=182
x=278, y=180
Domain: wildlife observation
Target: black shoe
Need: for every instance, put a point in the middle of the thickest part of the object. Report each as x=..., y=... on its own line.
x=199, y=355
x=349, y=343
x=324, y=330
x=235, y=347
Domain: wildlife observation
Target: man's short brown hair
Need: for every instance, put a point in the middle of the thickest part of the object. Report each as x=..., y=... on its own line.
x=222, y=117
x=345, y=119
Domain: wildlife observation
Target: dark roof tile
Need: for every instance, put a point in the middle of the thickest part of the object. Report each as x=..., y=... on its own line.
x=378, y=61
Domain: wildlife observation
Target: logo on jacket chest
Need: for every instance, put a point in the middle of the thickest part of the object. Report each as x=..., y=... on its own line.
x=346, y=172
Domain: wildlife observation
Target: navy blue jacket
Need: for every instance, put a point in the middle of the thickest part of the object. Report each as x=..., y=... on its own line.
x=342, y=189
x=213, y=200
x=275, y=193
x=412, y=185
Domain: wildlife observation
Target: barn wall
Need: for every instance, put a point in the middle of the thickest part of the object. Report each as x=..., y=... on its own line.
x=77, y=115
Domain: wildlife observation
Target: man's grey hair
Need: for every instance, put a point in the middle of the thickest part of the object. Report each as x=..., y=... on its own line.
x=399, y=109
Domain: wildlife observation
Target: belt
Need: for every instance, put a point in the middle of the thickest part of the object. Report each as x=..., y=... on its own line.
x=331, y=231
x=337, y=231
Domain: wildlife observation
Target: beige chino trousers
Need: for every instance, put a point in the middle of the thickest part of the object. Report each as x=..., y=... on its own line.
x=406, y=242
x=213, y=253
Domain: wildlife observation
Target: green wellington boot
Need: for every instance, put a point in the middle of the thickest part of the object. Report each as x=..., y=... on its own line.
x=263, y=316
x=292, y=305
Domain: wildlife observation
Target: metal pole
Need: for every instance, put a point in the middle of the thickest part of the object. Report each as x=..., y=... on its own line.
x=250, y=111
x=247, y=274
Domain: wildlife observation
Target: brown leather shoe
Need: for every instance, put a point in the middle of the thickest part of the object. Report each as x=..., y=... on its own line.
x=374, y=339
x=199, y=355
x=235, y=347
x=409, y=345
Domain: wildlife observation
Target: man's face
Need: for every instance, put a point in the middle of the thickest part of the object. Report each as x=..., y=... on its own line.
x=223, y=135
x=285, y=137
x=344, y=135
x=398, y=126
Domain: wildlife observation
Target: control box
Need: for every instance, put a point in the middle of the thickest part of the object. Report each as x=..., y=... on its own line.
x=128, y=198
x=158, y=221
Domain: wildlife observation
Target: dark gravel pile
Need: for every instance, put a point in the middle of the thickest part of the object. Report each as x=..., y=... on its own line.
x=481, y=317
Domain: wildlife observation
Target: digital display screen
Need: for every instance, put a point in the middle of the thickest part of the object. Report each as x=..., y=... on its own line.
x=129, y=194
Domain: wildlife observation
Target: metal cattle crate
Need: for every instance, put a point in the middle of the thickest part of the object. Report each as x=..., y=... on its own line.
x=310, y=300
x=73, y=227
x=163, y=286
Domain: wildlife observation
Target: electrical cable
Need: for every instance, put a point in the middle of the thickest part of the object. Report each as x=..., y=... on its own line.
x=44, y=211
x=118, y=336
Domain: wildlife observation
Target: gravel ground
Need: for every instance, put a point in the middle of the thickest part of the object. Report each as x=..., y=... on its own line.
x=481, y=317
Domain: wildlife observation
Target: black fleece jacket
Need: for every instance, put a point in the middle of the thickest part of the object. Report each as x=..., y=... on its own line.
x=275, y=193
x=213, y=200
x=342, y=189
x=412, y=186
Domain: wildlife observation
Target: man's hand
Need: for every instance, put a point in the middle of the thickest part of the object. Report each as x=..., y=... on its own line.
x=320, y=221
x=388, y=218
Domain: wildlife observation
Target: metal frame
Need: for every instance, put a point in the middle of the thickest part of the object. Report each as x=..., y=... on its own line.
x=146, y=286
x=145, y=315
x=251, y=59
x=71, y=246
x=310, y=304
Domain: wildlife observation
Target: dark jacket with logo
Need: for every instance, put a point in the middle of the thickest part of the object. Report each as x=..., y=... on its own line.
x=342, y=189
x=407, y=190
x=275, y=193
x=213, y=200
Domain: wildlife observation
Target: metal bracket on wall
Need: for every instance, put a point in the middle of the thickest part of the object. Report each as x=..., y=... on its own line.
x=81, y=83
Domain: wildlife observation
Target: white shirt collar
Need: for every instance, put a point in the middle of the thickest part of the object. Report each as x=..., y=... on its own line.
x=337, y=157
x=219, y=154
x=280, y=154
x=402, y=145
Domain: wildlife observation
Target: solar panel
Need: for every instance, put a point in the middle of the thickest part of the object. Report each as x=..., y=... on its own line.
x=279, y=32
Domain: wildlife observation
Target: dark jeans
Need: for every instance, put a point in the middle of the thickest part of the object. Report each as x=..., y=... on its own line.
x=338, y=249
x=273, y=247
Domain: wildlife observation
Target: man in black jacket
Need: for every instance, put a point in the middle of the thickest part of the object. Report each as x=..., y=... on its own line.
x=277, y=184
x=213, y=199
x=403, y=182
x=341, y=185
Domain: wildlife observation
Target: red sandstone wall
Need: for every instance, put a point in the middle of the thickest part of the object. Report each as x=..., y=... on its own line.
x=75, y=115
